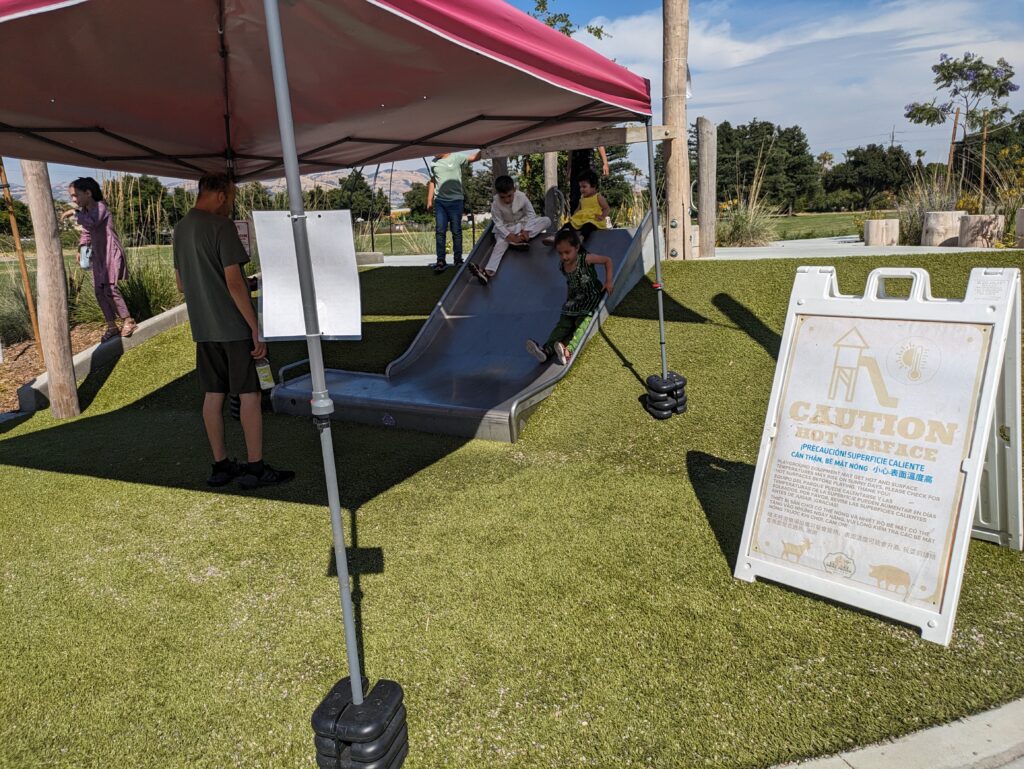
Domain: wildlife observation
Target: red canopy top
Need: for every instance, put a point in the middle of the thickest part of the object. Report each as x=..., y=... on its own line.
x=142, y=85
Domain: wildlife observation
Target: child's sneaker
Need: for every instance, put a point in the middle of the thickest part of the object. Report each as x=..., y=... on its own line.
x=223, y=472
x=536, y=350
x=262, y=474
x=562, y=353
x=477, y=273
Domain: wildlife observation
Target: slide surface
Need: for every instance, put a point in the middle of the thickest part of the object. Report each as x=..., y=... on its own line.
x=467, y=372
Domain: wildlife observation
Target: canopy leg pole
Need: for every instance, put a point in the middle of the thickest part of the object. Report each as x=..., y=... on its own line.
x=322, y=405
x=656, y=231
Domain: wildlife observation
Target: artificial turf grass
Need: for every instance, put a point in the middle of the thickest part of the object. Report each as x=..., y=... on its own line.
x=564, y=600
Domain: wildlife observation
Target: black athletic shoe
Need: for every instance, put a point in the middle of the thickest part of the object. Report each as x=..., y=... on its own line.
x=440, y=267
x=223, y=472
x=458, y=261
x=265, y=475
x=478, y=274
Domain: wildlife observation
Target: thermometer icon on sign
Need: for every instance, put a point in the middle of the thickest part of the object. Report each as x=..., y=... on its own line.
x=911, y=359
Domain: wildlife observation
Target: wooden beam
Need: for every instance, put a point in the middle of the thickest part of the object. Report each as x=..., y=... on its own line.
x=601, y=137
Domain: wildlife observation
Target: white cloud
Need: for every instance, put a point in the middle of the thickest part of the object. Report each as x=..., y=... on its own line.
x=844, y=78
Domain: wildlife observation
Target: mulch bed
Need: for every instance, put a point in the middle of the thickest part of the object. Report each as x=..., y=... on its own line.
x=21, y=363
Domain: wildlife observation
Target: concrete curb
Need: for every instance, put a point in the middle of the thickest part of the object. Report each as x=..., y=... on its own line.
x=990, y=740
x=35, y=395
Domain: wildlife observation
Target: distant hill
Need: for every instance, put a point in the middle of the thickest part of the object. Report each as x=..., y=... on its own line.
x=400, y=184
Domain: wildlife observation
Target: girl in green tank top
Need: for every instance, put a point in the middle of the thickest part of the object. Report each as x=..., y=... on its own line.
x=584, y=291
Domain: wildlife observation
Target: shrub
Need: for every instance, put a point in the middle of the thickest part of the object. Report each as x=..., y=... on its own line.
x=752, y=224
x=15, y=324
x=926, y=192
x=149, y=290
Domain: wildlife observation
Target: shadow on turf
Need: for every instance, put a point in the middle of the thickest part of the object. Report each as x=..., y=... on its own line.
x=748, y=322
x=642, y=303
x=159, y=441
x=723, y=489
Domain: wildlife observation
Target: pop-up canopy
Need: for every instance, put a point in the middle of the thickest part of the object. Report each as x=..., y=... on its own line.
x=190, y=86
x=180, y=88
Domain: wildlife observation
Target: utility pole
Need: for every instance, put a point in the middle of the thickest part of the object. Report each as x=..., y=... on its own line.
x=29, y=299
x=51, y=281
x=984, y=146
x=952, y=145
x=677, y=157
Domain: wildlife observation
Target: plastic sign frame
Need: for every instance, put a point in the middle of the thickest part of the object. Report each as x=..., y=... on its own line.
x=855, y=354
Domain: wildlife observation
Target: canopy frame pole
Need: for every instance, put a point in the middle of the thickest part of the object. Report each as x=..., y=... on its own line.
x=656, y=232
x=322, y=405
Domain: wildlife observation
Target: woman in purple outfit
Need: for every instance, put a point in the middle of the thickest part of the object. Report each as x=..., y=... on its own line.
x=108, y=262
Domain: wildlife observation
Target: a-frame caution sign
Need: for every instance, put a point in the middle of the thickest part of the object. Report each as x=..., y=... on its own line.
x=892, y=435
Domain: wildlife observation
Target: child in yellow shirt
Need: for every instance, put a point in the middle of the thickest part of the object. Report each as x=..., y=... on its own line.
x=593, y=210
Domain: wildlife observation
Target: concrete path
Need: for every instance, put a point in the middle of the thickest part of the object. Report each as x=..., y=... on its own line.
x=846, y=245
x=990, y=740
x=810, y=248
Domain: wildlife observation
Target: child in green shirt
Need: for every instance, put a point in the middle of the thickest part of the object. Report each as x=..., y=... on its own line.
x=584, y=294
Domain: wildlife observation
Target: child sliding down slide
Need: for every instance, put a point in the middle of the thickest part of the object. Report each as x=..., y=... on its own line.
x=584, y=292
x=515, y=223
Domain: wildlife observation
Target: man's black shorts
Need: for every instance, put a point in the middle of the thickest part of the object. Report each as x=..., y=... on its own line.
x=227, y=367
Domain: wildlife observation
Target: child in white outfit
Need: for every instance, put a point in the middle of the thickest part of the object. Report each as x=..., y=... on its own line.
x=515, y=223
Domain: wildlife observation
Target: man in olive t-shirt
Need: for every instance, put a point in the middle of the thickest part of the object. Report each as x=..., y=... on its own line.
x=208, y=259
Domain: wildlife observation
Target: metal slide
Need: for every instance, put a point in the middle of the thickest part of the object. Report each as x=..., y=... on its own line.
x=467, y=372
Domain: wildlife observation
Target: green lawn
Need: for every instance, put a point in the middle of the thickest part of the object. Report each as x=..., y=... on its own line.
x=817, y=225
x=564, y=601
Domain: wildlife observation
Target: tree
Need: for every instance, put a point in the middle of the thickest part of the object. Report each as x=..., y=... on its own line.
x=178, y=203
x=21, y=216
x=977, y=88
x=479, y=189
x=790, y=171
x=416, y=202
x=562, y=22
x=869, y=171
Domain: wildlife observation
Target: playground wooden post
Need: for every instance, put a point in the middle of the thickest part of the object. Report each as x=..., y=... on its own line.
x=16, y=235
x=550, y=183
x=677, y=161
x=707, y=199
x=51, y=281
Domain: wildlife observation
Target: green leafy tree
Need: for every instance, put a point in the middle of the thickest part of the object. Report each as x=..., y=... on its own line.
x=479, y=189
x=563, y=22
x=416, y=202
x=980, y=91
x=177, y=203
x=869, y=171
x=791, y=174
x=21, y=216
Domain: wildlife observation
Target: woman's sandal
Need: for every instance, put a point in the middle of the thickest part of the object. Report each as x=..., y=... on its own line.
x=129, y=328
x=110, y=333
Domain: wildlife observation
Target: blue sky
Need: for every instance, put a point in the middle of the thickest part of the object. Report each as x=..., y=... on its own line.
x=840, y=69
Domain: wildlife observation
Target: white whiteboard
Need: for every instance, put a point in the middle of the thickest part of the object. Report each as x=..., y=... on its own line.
x=335, y=275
